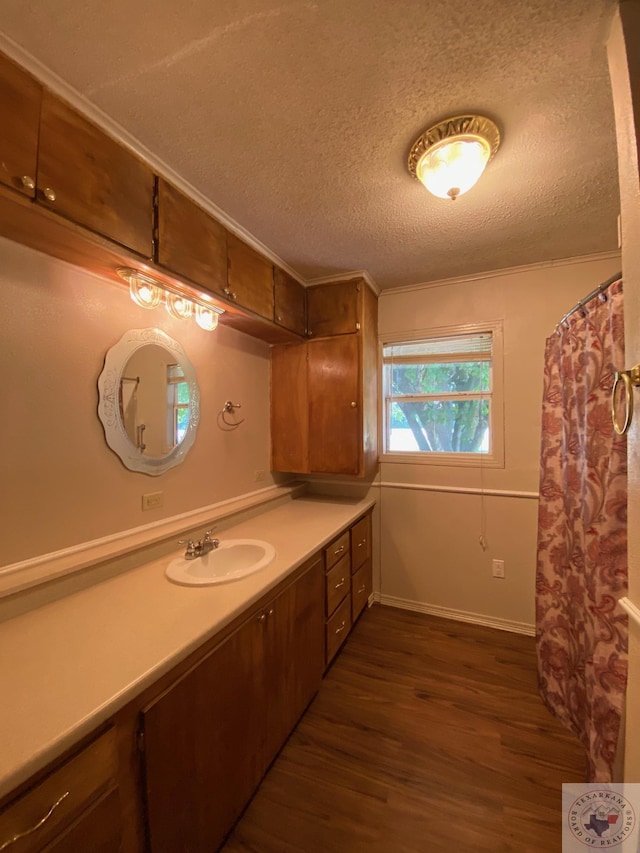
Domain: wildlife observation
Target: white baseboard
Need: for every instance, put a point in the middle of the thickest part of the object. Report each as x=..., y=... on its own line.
x=459, y=615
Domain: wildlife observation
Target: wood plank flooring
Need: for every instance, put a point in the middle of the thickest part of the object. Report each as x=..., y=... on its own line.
x=427, y=735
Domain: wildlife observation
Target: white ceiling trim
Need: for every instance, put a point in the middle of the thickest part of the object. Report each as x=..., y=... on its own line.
x=96, y=115
x=341, y=276
x=467, y=279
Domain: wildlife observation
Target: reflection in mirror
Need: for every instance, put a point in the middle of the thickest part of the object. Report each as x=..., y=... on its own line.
x=149, y=401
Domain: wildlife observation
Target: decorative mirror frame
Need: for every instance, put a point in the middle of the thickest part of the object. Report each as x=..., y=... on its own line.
x=109, y=409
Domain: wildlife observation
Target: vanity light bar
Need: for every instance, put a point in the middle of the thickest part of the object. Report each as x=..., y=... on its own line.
x=147, y=292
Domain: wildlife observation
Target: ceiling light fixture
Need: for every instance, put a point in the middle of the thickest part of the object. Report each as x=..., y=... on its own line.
x=449, y=157
x=147, y=292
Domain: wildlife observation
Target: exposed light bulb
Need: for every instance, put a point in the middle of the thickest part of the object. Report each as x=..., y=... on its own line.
x=206, y=318
x=178, y=306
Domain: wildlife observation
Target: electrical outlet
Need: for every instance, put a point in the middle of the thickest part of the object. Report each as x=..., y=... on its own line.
x=259, y=476
x=498, y=568
x=154, y=500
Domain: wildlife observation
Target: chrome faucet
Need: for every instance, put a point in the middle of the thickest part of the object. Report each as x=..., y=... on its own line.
x=198, y=549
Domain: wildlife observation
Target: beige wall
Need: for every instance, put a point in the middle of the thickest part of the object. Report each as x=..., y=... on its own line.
x=430, y=553
x=624, y=65
x=60, y=483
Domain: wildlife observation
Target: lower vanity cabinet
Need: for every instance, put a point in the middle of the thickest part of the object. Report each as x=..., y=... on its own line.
x=361, y=565
x=209, y=739
x=337, y=597
x=348, y=583
x=76, y=807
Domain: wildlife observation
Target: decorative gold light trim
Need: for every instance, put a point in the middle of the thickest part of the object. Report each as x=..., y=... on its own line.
x=467, y=125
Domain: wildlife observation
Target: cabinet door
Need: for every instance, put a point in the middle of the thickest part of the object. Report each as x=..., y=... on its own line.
x=88, y=177
x=204, y=745
x=289, y=409
x=360, y=542
x=295, y=655
x=191, y=242
x=334, y=405
x=289, y=302
x=20, y=97
x=333, y=309
x=250, y=278
x=361, y=587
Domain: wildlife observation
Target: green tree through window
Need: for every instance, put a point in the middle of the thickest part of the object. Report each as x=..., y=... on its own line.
x=438, y=391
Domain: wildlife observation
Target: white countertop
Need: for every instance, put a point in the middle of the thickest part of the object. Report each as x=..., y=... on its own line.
x=72, y=664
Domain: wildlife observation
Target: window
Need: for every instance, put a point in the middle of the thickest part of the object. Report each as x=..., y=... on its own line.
x=442, y=396
x=177, y=405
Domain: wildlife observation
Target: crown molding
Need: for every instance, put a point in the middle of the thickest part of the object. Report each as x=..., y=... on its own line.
x=345, y=276
x=469, y=279
x=61, y=88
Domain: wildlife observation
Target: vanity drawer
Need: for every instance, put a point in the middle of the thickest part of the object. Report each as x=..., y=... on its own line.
x=337, y=583
x=338, y=548
x=338, y=628
x=361, y=586
x=39, y=816
x=360, y=542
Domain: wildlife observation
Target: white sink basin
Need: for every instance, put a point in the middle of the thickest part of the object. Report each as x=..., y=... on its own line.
x=232, y=559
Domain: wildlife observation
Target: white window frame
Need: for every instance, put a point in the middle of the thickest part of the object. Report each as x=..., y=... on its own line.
x=495, y=457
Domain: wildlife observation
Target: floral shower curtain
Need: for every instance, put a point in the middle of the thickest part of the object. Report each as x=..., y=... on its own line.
x=581, y=634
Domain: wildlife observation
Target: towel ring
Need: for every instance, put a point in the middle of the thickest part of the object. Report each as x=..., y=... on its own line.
x=629, y=379
x=229, y=409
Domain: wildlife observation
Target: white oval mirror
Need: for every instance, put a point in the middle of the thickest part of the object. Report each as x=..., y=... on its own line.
x=149, y=401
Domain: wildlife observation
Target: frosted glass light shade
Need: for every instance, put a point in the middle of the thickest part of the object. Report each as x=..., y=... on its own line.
x=451, y=167
x=178, y=306
x=206, y=318
x=144, y=291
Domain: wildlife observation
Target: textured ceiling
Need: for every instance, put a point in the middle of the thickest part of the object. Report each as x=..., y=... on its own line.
x=296, y=119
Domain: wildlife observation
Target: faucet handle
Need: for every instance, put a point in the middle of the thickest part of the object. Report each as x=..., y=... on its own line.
x=207, y=535
x=191, y=548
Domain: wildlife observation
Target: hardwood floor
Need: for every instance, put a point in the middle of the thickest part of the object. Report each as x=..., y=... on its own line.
x=426, y=735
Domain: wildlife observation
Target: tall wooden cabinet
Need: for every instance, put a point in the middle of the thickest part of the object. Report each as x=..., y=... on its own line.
x=324, y=391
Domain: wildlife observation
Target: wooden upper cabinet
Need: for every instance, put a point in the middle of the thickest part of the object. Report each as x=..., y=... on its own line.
x=250, y=278
x=89, y=178
x=335, y=433
x=20, y=97
x=289, y=409
x=333, y=309
x=191, y=242
x=290, y=304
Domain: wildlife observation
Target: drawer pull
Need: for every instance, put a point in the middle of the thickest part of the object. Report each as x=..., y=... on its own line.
x=50, y=195
x=339, y=551
x=338, y=631
x=338, y=585
x=362, y=589
x=360, y=544
x=36, y=826
x=28, y=183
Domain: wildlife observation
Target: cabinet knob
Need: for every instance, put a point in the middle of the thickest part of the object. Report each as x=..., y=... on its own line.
x=28, y=182
x=338, y=585
x=229, y=293
x=362, y=589
x=360, y=544
x=342, y=627
x=279, y=318
x=49, y=194
x=353, y=404
x=339, y=551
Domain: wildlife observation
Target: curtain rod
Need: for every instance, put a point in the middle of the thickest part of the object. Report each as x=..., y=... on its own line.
x=595, y=292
